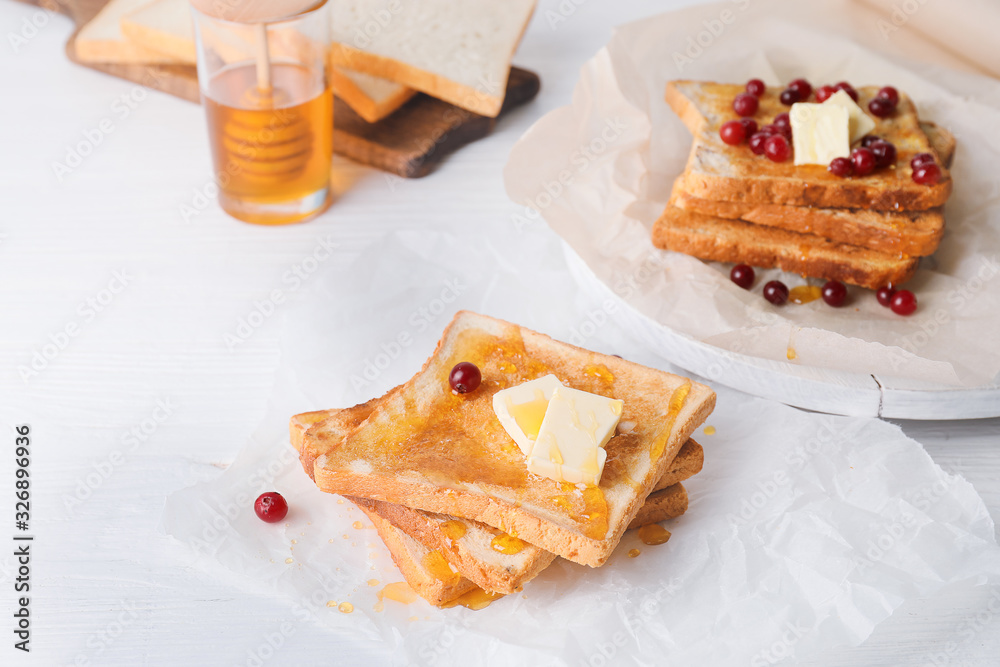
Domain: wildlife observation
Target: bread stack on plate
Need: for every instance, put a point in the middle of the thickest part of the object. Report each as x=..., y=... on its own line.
x=449, y=490
x=383, y=54
x=733, y=205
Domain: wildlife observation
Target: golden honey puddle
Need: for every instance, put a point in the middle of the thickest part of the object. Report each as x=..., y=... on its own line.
x=804, y=294
x=475, y=600
x=653, y=534
x=602, y=373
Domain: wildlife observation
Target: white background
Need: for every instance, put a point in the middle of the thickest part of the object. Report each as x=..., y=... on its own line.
x=101, y=566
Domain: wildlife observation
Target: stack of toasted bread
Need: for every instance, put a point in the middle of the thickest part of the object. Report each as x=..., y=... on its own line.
x=731, y=205
x=448, y=489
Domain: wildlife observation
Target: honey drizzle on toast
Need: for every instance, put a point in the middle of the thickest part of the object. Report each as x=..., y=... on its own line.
x=677, y=400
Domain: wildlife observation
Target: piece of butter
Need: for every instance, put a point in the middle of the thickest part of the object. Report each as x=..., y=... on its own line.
x=860, y=122
x=521, y=409
x=570, y=443
x=819, y=133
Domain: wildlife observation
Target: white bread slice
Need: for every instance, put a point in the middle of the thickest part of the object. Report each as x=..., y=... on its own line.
x=458, y=51
x=371, y=98
x=429, y=449
x=102, y=40
x=165, y=26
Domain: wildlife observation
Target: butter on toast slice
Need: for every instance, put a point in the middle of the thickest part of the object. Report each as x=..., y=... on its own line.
x=725, y=240
x=430, y=449
x=720, y=172
x=912, y=233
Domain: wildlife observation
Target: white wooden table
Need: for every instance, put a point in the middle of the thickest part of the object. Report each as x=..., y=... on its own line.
x=136, y=393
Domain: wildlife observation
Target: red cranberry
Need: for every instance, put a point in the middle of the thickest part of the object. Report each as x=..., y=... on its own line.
x=927, y=174
x=732, y=132
x=777, y=149
x=742, y=275
x=889, y=93
x=885, y=294
x=756, y=87
x=823, y=93
x=885, y=153
x=921, y=159
x=783, y=130
x=789, y=97
x=881, y=108
x=749, y=126
x=841, y=166
x=757, y=142
x=776, y=292
x=464, y=377
x=782, y=120
x=903, y=302
x=270, y=507
x=864, y=161
x=802, y=87
x=847, y=88
x=868, y=140
x=745, y=104
x=834, y=293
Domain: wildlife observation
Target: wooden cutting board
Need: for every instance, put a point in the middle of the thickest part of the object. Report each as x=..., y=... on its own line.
x=408, y=143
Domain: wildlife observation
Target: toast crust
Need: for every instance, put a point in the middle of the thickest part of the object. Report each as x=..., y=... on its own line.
x=725, y=240
x=719, y=172
x=410, y=556
x=479, y=477
x=661, y=505
x=911, y=233
x=369, y=109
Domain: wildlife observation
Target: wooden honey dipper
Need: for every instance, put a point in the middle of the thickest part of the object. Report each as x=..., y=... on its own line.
x=267, y=138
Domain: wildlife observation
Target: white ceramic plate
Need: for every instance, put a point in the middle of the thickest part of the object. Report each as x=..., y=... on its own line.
x=820, y=389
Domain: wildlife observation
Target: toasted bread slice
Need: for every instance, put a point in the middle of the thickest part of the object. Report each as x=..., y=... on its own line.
x=371, y=97
x=661, y=505
x=468, y=545
x=431, y=577
x=725, y=240
x=942, y=141
x=425, y=570
x=430, y=449
x=687, y=463
x=913, y=233
x=720, y=172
